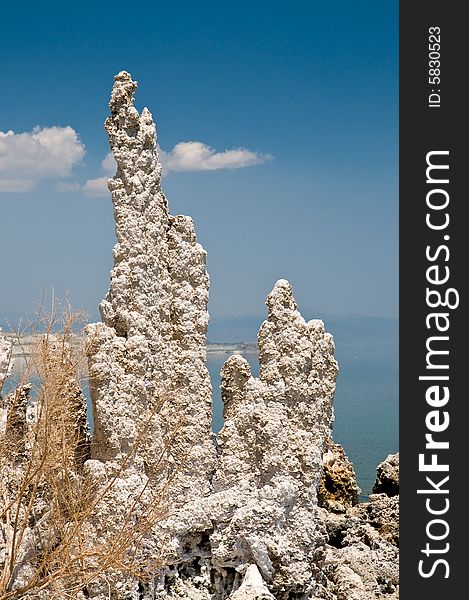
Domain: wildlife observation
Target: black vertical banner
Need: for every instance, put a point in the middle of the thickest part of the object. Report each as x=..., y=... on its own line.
x=434, y=355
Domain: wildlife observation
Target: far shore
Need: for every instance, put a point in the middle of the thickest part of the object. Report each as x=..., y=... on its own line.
x=241, y=348
x=23, y=346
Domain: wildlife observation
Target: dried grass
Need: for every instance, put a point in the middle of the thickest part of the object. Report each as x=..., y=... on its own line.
x=47, y=504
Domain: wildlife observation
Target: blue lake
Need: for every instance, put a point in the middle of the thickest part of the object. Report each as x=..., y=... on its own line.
x=366, y=399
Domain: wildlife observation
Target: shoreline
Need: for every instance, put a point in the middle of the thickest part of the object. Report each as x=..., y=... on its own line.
x=22, y=347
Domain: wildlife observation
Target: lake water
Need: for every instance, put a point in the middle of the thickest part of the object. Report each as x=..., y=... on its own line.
x=365, y=407
x=365, y=403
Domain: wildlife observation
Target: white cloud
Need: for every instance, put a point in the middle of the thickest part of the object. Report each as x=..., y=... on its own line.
x=109, y=165
x=196, y=156
x=185, y=156
x=96, y=187
x=30, y=157
x=51, y=153
x=68, y=186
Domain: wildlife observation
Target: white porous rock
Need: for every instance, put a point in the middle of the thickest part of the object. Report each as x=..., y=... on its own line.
x=148, y=378
x=150, y=388
x=6, y=362
x=253, y=587
x=271, y=446
x=6, y=366
x=176, y=516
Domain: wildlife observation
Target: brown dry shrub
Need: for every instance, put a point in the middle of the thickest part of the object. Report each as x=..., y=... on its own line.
x=47, y=505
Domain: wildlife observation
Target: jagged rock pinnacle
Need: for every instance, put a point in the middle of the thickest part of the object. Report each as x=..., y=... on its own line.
x=270, y=448
x=244, y=522
x=150, y=349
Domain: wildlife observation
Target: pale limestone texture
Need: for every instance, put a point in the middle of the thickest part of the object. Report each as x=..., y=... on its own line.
x=6, y=367
x=361, y=554
x=6, y=363
x=253, y=587
x=245, y=523
x=237, y=519
x=148, y=375
x=270, y=448
x=150, y=388
x=361, y=557
x=387, y=476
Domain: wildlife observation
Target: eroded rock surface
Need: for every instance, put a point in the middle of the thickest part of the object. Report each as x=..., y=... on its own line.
x=245, y=522
x=253, y=587
x=268, y=512
x=148, y=377
x=387, y=476
x=338, y=489
x=270, y=448
x=6, y=363
x=361, y=558
x=150, y=387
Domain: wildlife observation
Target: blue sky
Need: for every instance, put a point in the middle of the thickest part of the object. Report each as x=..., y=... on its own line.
x=308, y=90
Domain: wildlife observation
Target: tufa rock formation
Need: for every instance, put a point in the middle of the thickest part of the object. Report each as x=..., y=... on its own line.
x=253, y=586
x=270, y=448
x=253, y=503
x=387, y=476
x=6, y=363
x=338, y=488
x=245, y=521
x=268, y=512
x=147, y=359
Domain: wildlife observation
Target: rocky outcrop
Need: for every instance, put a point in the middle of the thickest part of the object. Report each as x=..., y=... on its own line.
x=255, y=506
x=361, y=554
x=263, y=539
x=148, y=378
x=387, y=476
x=338, y=488
x=253, y=587
x=270, y=448
x=6, y=363
x=150, y=387
x=267, y=512
x=245, y=521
